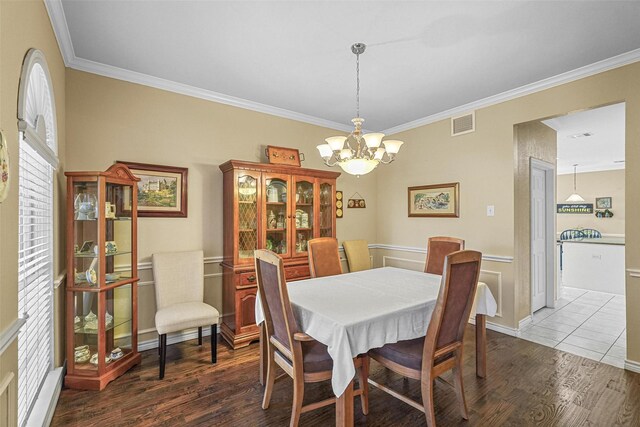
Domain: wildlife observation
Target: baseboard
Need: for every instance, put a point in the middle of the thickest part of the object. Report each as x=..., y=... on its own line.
x=45, y=405
x=502, y=329
x=632, y=366
x=495, y=327
x=525, y=322
x=175, y=338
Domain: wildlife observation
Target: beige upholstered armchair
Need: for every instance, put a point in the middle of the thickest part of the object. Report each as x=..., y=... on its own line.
x=179, y=286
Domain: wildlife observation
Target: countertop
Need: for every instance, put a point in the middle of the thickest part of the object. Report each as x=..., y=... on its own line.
x=600, y=241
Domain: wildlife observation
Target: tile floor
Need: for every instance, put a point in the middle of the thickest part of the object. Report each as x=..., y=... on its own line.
x=587, y=323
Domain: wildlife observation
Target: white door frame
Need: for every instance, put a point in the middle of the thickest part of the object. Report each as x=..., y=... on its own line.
x=550, y=234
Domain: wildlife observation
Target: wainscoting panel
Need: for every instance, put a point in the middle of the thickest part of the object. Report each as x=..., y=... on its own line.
x=8, y=397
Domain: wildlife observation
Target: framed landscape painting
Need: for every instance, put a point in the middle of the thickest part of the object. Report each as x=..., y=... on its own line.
x=441, y=200
x=162, y=190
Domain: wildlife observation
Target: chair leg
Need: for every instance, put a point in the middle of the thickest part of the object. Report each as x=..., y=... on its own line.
x=199, y=335
x=159, y=345
x=214, y=343
x=458, y=385
x=271, y=378
x=426, y=385
x=298, y=395
x=364, y=385
x=163, y=353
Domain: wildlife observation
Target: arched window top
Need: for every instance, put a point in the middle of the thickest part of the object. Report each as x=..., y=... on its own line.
x=36, y=107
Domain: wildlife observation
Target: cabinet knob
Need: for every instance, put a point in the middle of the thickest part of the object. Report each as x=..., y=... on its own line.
x=251, y=278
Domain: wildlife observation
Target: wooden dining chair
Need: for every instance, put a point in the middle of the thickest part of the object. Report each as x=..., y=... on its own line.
x=357, y=252
x=324, y=259
x=437, y=249
x=428, y=357
x=301, y=357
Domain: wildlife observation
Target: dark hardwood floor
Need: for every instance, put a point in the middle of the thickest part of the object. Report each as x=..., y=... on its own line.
x=527, y=384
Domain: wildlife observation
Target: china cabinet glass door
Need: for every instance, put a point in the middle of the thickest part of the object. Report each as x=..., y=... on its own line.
x=276, y=214
x=302, y=218
x=86, y=261
x=327, y=216
x=247, y=187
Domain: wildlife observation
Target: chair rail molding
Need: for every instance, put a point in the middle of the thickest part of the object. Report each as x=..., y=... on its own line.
x=633, y=272
x=10, y=334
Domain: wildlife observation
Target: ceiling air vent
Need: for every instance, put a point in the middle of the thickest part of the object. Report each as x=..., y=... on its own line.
x=463, y=124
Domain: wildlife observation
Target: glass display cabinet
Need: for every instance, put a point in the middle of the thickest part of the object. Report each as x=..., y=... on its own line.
x=268, y=206
x=101, y=290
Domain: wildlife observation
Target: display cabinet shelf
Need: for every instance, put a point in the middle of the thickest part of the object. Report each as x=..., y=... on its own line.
x=101, y=292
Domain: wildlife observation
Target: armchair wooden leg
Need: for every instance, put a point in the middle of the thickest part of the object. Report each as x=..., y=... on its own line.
x=298, y=395
x=199, y=335
x=159, y=345
x=427, y=400
x=459, y=387
x=364, y=385
x=163, y=353
x=270, y=377
x=214, y=343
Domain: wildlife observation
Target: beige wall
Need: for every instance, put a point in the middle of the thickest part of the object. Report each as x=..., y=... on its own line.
x=592, y=185
x=532, y=140
x=23, y=25
x=112, y=120
x=484, y=163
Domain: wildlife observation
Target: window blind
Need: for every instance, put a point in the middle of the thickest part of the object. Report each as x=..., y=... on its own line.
x=35, y=276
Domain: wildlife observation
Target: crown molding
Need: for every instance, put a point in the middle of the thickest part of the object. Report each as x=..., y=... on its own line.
x=570, y=76
x=61, y=30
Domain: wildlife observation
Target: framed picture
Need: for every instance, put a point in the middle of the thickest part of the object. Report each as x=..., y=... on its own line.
x=603, y=203
x=162, y=190
x=441, y=200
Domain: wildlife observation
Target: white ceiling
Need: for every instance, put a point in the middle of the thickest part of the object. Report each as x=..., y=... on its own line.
x=603, y=150
x=423, y=58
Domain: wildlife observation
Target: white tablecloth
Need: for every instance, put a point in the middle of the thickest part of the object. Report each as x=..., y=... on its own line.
x=355, y=312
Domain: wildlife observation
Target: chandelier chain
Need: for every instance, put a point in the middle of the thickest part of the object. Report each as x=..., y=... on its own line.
x=357, y=85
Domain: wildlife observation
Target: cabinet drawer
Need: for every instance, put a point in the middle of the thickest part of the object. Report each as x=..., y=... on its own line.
x=296, y=272
x=248, y=278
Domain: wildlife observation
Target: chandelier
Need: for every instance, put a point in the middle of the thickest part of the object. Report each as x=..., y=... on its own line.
x=575, y=197
x=358, y=154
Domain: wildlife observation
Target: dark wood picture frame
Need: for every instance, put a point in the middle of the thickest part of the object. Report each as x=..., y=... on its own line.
x=453, y=189
x=180, y=174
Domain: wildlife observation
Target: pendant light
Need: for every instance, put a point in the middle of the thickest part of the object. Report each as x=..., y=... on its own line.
x=575, y=197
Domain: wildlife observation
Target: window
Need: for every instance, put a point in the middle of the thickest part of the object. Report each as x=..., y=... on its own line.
x=37, y=163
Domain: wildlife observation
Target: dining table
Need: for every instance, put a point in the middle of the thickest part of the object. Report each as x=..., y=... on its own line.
x=353, y=313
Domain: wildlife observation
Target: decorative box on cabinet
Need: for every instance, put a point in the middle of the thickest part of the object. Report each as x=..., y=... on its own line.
x=101, y=291
x=268, y=206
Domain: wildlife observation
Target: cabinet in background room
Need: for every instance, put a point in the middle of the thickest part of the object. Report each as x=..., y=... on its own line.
x=275, y=207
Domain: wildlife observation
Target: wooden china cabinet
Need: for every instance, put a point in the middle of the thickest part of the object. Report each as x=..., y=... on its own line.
x=275, y=207
x=102, y=276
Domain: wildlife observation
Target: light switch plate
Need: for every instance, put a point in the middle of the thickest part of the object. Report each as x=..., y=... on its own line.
x=491, y=210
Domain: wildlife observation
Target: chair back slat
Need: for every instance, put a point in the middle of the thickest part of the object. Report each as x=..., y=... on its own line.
x=281, y=323
x=437, y=249
x=324, y=259
x=455, y=300
x=572, y=234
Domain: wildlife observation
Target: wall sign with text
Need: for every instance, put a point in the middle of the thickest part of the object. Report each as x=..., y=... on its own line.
x=575, y=208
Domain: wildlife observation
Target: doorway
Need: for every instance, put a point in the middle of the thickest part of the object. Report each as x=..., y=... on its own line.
x=543, y=184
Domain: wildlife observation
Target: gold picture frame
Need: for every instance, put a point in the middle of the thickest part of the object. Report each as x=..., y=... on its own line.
x=439, y=200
